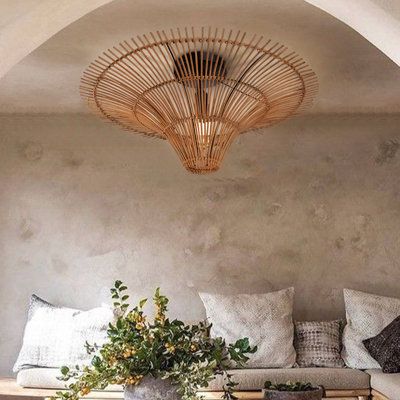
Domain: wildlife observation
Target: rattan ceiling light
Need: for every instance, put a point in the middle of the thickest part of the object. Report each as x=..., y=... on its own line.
x=198, y=89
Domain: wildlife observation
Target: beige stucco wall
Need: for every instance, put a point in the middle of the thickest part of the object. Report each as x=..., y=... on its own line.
x=313, y=203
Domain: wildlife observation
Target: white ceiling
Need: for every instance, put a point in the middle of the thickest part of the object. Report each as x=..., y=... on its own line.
x=354, y=75
x=376, y=20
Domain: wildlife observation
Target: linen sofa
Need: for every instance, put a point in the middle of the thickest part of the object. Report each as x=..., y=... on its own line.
x=339, y=383
x=288, y=350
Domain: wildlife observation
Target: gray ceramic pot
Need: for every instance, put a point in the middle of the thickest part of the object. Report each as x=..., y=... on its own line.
x=152, y=389
x=307, y=395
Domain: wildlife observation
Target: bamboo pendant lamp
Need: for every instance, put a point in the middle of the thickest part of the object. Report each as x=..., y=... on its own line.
x=198, y=89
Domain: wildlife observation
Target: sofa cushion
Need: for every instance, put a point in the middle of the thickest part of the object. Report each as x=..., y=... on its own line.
x=330, y=378
x=367, y=315
x=318, y=344
x=387, y=384
x=385, y=347
x=265, y=319
x=55, y=336
x=46, y=378
x=249, y=379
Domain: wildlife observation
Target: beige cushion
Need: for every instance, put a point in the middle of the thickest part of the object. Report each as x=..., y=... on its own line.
x=56, y=336
x=387, y=384
x=318, y=344
x=330, y=378
x=46, y=378
x=249, y=379
x=266, y=319
x=367, y=315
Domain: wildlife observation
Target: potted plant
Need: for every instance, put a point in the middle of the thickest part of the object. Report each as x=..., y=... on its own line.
x=292, y=391
x=160, y=358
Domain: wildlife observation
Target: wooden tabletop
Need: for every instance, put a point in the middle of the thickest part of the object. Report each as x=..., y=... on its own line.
x=9, y=387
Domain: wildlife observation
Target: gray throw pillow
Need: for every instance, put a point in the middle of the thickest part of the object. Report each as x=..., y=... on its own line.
x=318, y=344
x=266, y=319
x=385, y=347
x=55, y=336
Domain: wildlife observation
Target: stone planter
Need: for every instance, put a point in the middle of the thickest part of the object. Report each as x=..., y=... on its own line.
x=307, y=395
x=152, y=389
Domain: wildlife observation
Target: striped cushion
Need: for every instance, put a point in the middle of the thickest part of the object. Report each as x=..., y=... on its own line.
x=317, y=344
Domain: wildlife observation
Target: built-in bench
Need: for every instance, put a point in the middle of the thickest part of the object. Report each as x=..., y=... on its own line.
x=359, y=394
x=10, y=389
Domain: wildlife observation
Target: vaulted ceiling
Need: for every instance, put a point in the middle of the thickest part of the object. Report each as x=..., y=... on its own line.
x=354, y=75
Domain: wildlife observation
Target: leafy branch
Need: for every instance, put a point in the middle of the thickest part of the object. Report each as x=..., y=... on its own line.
x=138, y=347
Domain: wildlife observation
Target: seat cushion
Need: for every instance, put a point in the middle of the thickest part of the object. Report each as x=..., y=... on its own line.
x=330, y=378
x=46, y=378
x=249, y=379
x=387, y=384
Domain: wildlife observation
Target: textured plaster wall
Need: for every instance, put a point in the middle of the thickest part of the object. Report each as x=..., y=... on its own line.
x=313, y=203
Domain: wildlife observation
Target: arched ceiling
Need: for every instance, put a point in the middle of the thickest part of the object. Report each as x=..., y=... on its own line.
x=377, y=20
x=27, y=24
x=354, y=76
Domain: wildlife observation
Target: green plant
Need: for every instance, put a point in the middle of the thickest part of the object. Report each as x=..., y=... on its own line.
x=164, y=349
x=289, y=386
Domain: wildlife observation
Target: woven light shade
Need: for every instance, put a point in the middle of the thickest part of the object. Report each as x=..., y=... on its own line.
x=198, y=89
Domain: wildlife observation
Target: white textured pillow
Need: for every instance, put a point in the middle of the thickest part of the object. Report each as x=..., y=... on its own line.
x=266, y=319
x=367, y=315
x=56, y=336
